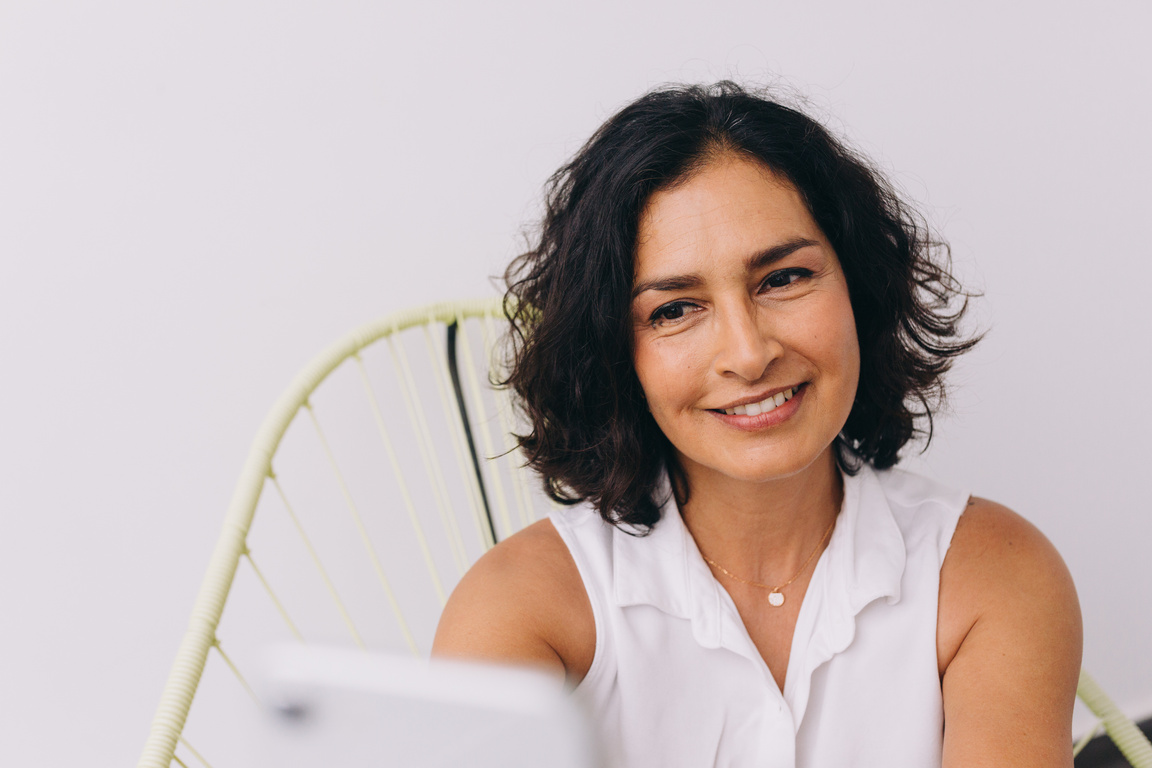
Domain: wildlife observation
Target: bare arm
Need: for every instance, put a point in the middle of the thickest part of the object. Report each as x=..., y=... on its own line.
x=522, y=603
x=1009, y=643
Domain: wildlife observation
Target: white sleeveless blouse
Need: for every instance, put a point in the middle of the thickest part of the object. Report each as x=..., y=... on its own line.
x=676, y=680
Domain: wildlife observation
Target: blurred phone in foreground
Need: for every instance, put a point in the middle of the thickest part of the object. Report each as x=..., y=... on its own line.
x=328, y=708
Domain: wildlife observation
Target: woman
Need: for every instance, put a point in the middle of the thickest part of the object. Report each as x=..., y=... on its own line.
x=728, y=331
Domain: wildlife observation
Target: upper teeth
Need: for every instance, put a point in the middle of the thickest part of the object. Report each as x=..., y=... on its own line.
x=765, y=405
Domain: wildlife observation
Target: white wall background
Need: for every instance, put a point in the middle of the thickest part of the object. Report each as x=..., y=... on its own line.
x=196, y=197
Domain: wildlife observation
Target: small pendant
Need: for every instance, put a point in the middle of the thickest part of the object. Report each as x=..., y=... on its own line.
x=775, y=599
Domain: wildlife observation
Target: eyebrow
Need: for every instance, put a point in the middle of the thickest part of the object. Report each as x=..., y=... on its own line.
x=755, y=262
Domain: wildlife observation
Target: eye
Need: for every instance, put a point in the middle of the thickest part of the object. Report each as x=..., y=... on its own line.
x=782, y=278
x=670, y=312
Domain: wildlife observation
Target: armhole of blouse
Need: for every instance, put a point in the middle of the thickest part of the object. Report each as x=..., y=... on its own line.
x=948, y=530
x=947, y=534
x=568, y=536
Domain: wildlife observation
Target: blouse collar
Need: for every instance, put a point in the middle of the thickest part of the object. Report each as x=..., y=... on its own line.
x=864, y=561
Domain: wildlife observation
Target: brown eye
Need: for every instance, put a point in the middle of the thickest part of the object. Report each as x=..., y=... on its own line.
x=670, y=312
x=785, y=277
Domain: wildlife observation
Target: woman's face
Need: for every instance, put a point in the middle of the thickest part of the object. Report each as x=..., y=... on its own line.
x=740, y=303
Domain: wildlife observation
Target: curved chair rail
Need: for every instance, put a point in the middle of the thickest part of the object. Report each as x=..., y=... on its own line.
x=1131, y=742
x=199, y=638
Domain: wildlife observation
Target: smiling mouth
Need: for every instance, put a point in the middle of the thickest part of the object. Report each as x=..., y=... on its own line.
x=766, y=405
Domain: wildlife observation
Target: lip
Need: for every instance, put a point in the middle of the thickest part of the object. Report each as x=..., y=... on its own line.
x=762, y=397
x=777, y=415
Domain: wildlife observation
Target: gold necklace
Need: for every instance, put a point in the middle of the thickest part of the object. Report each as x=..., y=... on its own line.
x=775, y=596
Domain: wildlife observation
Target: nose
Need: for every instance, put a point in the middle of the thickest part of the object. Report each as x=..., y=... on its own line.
x=745, y=347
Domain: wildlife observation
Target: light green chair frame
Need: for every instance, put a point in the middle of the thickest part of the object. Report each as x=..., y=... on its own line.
x=200, y=637
x=1128, y=738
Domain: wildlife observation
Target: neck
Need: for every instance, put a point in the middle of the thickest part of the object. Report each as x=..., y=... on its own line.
x=762, y=530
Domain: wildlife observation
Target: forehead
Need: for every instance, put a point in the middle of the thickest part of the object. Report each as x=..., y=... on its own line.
x=731, y=208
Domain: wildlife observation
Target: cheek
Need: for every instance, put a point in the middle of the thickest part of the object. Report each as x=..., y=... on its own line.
x=849, y=342
x=852, y=368
x=831, y=344
x=644, y=364
x=667, y=374
x=848, y=351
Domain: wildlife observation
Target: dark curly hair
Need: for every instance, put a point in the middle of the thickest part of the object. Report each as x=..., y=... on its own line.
x=568, y=299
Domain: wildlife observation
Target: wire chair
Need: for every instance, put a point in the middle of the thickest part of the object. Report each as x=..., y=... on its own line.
x=442, y=442
x=405, y=426
x=1124, y=733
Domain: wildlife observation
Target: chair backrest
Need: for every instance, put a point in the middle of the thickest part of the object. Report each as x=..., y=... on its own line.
x=1128, y=738
x=376, y=490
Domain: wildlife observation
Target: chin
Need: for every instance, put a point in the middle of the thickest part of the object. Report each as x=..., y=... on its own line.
x=764, y=469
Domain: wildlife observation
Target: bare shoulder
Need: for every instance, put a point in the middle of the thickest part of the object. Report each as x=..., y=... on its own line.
x=1008, y=642
x=522, y=602
x=998, y=559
